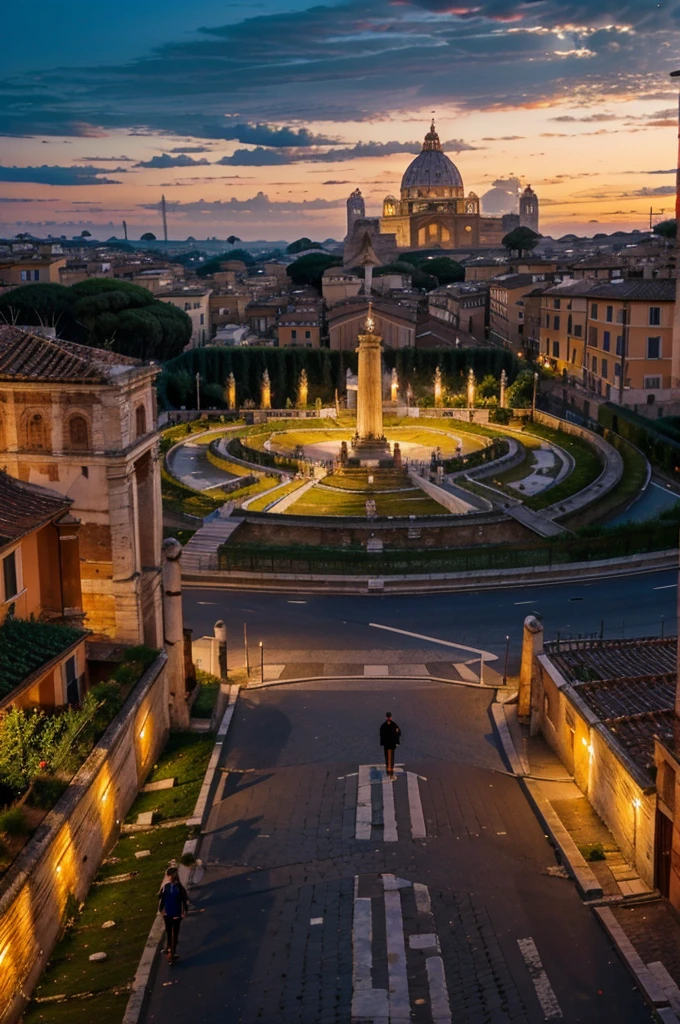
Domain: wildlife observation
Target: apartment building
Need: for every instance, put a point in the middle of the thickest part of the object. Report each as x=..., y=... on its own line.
x=615, y=338
x=195, y=301
x=506, y=308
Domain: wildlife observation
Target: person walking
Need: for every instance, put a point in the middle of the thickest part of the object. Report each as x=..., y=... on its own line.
x=173, y=904
x=390, y=737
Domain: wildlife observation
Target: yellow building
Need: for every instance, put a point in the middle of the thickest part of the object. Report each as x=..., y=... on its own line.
x=506, y=308
x=82, y=421
x=42, y=642
x=617, y=339
x=195, y=301
x=39, y=270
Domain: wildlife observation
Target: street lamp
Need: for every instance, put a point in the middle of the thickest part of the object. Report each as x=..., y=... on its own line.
x=533, y=398
x=505, y=666
x=198, y=391
x=261, y=662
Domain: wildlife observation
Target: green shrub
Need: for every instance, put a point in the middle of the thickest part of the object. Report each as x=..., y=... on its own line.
x=46, y=791
x=13, y=822
x=593, y=851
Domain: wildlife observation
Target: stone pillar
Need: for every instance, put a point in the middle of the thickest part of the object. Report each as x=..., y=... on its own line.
x=221, y=637
x=369, y=394
x=173, y=632
x=532, y=645
x=69, y=561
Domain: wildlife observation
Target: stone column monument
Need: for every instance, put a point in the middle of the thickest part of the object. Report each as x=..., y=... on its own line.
x=173, y=635
x=370, y=439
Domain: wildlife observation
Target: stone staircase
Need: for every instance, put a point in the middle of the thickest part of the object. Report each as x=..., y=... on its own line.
x=200, y=554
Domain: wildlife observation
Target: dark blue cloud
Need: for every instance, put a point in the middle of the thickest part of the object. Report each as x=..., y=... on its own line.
x=59, y=175
x=165, y=160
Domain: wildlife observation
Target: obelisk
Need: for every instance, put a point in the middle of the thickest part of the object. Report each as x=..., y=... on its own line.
x=369, y=392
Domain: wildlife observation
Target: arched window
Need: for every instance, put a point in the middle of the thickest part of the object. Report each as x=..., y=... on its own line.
x=77, y=432
x=36, y=432
x=140, y=421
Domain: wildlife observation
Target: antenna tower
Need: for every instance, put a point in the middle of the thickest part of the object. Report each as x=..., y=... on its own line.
x=165, y=219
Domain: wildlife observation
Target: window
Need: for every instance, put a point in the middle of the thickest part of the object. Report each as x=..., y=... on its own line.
x=197, y=305
x=578, y=330
x=621, y=316
x=77, y=432
x=605, y=368
x=547, y=319
x=72, y=688
x=654, y=316
x=556, y=323
x=610, y=315
x=547, y=346
x=606, y=340
x=556, y=349
x=592, y=335
x=617, y=370
x=202, y=319
x=619, y=344
x=308, y=334
x=10, y=576
x=654, y=348
x=573, y=355
x=293, y=335
x=594, y=364
x=654, y=383
x=593, y=310
x=140, y=421
x=36, y=432
x=520, y=315
x=557, y=303
x=25, y=275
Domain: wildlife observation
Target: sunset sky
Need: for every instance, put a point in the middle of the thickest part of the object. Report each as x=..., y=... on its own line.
x=257, y=119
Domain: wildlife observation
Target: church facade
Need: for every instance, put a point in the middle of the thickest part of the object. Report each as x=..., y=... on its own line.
x=433, y=211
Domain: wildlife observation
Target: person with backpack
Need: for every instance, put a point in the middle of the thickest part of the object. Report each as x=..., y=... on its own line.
x=390, y=737
x=173, y=904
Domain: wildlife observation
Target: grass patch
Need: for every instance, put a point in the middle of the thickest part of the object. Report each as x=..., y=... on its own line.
x=587, y=467
x=628, y=488
x=327, y=501
x=209, y=687
x=260, y=504
x=593, y=851
x=183, y=500
x=185, y=759
x=234, y=468
x=357, y=480
x=132, y=905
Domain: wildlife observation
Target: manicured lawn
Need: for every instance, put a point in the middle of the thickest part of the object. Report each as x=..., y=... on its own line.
x=208, y=688
x=326, y=501
x=587, y=467
x=357, y=480
x=185, y=759
x=261, y=503
x=630, y=485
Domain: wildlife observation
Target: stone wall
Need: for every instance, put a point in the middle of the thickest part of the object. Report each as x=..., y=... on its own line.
x=475, y=528
x=63, y=856
x=621, y=794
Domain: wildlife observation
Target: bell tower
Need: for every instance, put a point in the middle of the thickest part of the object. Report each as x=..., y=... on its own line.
x=528, y=209
x=356, y=210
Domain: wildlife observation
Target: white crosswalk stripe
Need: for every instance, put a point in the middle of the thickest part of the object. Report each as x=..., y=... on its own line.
x=365, y=827
x=546, y=996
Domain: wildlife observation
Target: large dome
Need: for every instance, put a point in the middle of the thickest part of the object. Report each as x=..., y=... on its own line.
x=432, y=167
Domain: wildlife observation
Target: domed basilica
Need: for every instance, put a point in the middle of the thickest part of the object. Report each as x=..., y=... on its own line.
x=432, y=212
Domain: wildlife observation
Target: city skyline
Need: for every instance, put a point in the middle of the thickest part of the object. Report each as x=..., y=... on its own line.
x=260, y=126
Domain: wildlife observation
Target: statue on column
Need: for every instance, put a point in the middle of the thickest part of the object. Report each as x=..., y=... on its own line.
x=438, y=390
x=266, y=394
x=230, y=392
x=303, y=390
x=471, y=388
x=394, y=386
x=504, y=383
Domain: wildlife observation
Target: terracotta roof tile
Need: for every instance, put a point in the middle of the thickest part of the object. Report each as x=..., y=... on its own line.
x=24, y=508
x=33, y=357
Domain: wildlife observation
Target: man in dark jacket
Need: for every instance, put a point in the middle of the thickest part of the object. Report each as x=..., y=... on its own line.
x=390, y=736
x=173, y=904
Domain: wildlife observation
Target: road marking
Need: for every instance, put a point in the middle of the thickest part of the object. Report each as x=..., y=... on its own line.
x=518, y=603
x=367, y=1002
x=398, y=999
x=422, y=895
x=427, y=941
x=488, y=656
x=296, y=602
x=546, y=996
x=415, y=805
x=364, y=810
x=439, y=996
x=669, y=586
x=316, y=920
x=389, y=814
x=465, y=672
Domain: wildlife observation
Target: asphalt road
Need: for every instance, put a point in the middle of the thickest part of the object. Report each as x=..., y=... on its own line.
x=625, y=606
x=436, y=901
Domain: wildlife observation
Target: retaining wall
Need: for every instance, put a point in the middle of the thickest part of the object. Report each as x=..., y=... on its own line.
x=64, y=855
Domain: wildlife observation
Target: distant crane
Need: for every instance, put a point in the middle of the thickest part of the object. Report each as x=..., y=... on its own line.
x=164, y=214
x=654, y=213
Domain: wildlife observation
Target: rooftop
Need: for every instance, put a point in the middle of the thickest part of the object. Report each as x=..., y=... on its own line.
x=26, y=646
x=26, y=507
x=628, y=684
x=34, y=357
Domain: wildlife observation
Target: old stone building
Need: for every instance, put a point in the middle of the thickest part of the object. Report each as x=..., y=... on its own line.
x=81, y=421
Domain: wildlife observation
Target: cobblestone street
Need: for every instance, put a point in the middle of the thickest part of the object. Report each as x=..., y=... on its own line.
x=334, y=896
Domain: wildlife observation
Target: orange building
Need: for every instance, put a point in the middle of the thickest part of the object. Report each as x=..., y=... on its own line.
x=42, y=642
